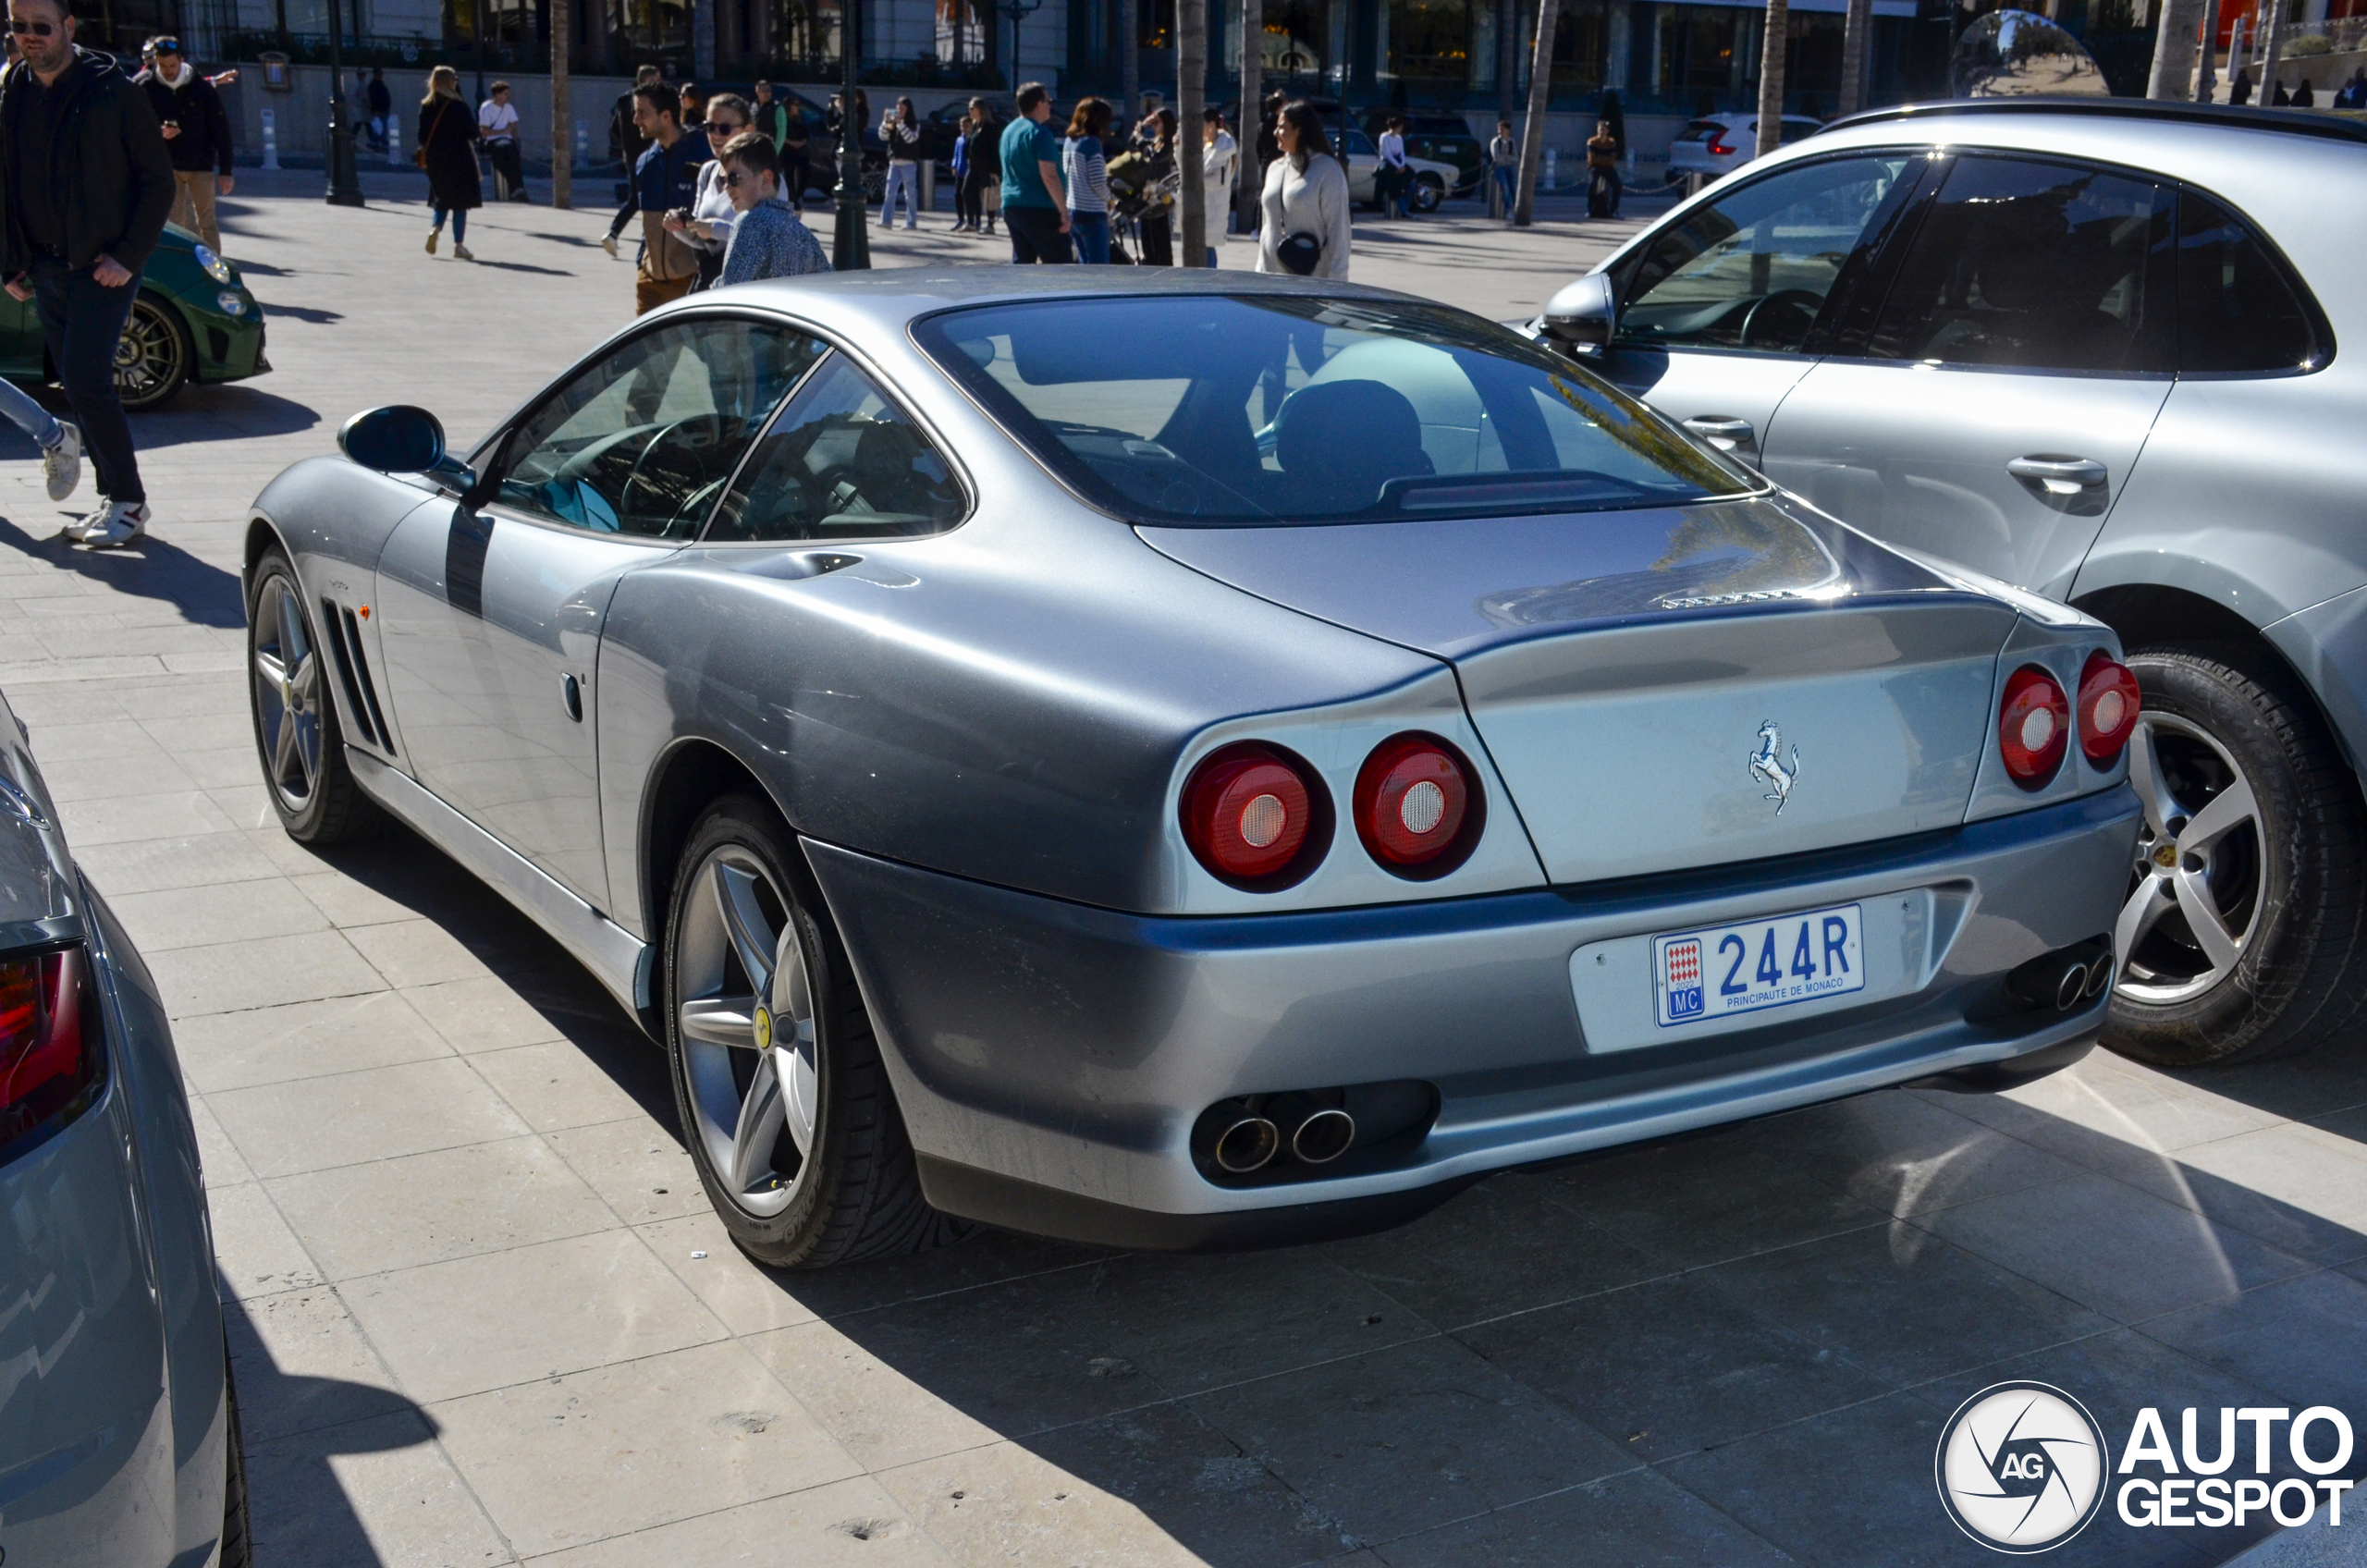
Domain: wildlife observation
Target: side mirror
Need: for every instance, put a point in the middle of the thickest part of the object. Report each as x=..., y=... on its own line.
x=402, y=439
x=1580, y=317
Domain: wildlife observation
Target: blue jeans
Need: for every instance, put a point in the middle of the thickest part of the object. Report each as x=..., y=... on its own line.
x=460, y=222
x=905, y=177
x=1091, y=231
x=1508, y=181
x=29, y=417
x=82, y=323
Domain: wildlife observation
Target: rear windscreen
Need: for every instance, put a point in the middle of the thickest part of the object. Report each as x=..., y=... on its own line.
x=1228, y=410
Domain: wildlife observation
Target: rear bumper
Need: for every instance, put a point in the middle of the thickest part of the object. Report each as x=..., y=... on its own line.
x=1051, y=1059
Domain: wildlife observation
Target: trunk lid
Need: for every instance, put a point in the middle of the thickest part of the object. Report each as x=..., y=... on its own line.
x=1667, y=688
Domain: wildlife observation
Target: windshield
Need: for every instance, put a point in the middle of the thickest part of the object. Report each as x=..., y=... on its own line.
x=1219, y=410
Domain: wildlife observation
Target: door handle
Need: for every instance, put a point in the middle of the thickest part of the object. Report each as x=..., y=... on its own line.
x=570, y=696
x=2078, y=486
x=1735, y=437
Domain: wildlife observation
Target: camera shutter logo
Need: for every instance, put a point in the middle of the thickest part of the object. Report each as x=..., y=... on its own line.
x=2021, y=1467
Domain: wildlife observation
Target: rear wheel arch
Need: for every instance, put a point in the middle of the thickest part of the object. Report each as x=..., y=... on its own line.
x=689, y=776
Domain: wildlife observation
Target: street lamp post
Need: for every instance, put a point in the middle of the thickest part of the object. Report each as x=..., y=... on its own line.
x=849, y=244
x=345, y=185
x=1018, y=11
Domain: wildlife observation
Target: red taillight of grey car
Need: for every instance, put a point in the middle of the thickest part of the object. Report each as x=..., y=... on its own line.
x=49, y=1059
x=2108, y=699
x=1256, y=816
x=2033, y=726
x=1418, y=809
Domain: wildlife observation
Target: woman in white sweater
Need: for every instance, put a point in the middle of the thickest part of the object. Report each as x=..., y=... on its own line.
x=1307, y=192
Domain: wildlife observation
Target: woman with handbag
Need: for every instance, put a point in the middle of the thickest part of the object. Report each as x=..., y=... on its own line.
x=1303, y=224
x=446, y=149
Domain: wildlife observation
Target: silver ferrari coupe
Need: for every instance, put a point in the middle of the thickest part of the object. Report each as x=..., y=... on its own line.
x=1181, y=760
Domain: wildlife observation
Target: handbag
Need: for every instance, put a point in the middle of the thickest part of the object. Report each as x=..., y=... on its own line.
x=1300, y=254
x=419, y=154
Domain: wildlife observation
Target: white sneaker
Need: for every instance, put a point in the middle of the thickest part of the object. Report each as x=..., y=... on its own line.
x=432, y=235
x=62, y=464
x=462, y=253
x=608, y=243
x=115, y=524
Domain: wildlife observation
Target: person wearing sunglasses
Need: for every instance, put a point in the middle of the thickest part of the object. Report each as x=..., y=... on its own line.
x=87, y=182
x=768, y=239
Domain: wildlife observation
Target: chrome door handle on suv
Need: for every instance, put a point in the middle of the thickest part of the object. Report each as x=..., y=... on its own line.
x=2080, y=487
x=1733, y=437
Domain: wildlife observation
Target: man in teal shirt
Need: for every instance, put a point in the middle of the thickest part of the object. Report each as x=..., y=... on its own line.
x=1035, y=207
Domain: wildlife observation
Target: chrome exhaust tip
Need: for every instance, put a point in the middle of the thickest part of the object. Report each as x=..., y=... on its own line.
x=2071, y=986
x=1324, y=1136
x=2100, y=975
x=1246, y=1145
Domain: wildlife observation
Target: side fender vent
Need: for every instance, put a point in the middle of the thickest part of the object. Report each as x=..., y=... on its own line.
x=353, y=674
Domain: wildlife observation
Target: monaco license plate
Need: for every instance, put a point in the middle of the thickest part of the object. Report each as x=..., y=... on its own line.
x=1725, y=970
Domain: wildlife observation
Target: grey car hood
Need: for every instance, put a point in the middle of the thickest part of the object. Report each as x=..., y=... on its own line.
x=1653, y=684
x=1454, y=586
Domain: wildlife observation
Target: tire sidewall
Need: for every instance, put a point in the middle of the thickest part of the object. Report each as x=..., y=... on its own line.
x=786, y=1238
x=2237, y=1015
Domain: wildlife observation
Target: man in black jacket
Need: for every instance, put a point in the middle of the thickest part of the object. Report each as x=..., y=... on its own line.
x=198, y=129
x=88, y=184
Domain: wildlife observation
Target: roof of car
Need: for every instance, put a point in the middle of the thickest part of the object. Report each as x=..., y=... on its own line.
x=2295, y=122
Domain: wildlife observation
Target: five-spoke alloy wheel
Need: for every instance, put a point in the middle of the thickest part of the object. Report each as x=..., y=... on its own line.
x=2244, y=906
x=777, y=1078
x=297, y=735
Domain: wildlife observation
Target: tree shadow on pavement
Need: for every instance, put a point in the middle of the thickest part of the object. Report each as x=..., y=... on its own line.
x=303, y=1434
x=154, y=568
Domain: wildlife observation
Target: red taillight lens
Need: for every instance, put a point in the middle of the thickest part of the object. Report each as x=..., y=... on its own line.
x=2108, y=699
x=1254, y=816
x=47, y=1058
x=2033, y=726
x=1719, y=150
x=1417, y=806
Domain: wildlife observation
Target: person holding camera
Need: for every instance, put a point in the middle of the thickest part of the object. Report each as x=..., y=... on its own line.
x=197, y=137
x=900, y=129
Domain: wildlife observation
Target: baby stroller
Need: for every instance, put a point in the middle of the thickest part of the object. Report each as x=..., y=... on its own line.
x=1134, y=196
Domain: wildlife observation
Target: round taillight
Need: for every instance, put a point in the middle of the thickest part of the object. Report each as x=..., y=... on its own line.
x=2108, y=698
x=1255, y=816
x=2033, y=726
x=1418, y=809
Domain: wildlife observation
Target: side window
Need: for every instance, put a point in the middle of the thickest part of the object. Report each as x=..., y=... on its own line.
x=1752, y=271
x=643, y=442
x=2238, y=313
x=2033, y=265
x=841, y=462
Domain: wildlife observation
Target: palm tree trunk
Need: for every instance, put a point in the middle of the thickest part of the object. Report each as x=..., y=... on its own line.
x=1533, y=133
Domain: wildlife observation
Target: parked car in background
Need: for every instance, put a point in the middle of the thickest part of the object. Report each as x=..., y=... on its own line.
x=1716, y=145
x=1151, y=759
x=2081, y=346
x=1444, y=138
x=193, y=320
x=1432, y=179
x=118, y=1426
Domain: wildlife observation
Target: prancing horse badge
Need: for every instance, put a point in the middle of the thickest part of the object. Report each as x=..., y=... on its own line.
x=1767, y=766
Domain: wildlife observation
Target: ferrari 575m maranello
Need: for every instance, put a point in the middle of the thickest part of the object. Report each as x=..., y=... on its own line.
x=1182, y=761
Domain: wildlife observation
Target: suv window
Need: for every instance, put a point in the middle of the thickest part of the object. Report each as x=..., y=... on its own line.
x=641, y=442
x=1752, y=271
x=2034, y=265
x=841, y=462
x=2238, y=313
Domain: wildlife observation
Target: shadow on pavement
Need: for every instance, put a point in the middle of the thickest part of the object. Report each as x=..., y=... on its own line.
x=295, y=1425
x=206, y=413
x=156, y=569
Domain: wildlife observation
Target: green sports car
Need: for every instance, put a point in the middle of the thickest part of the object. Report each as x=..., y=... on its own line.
x=193, y=321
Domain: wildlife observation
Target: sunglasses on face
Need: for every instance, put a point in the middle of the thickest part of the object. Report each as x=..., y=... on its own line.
x=731, y=181
x=36, y=30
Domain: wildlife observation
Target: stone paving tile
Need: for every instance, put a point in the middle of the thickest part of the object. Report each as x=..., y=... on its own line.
x=416, y=952
x=2277, y=1337
x=373, y=1114
x=1705, y=1200
x=121, y=817
x=554, y=1085
x=217, y=1157
x=638, y=1168
x=1411, y=1438
x=670, y=1436
x=420, y=1208
x=194, y=917
x=2136, y=1256
x=301, y=1364
x=265, y=972
x=852, y=1524
x=272, y=1045
x=378, y=1493
x=483, y=1014
x=2300, y=1189
x=474, y=1324
x=1638, y=1517
x=254, y=1250
x=143, y=865
x=1905, y=1153
x=748, y=1297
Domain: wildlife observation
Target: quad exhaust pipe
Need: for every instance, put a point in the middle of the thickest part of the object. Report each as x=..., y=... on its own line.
x=1263, y=1128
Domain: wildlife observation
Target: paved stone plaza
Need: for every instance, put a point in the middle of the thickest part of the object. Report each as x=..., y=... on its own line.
x=483, y=1315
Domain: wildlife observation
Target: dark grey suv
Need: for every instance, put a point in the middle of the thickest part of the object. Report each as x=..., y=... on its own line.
x=2090, y=348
